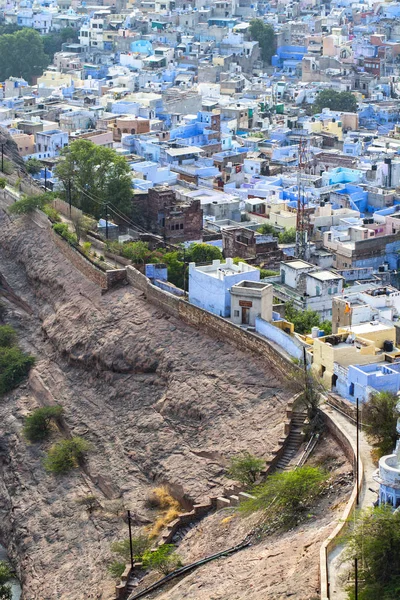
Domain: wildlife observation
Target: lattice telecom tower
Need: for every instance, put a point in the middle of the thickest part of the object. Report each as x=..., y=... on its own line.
x=302, y=223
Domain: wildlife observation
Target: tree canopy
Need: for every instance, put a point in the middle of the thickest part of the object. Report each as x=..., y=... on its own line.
x=5, y=576
x=380, y=414
x=375, y=541
x=22, y=55
x=97, y=175
x=33, y=166
x=285, y=497
x=52, y=42
x=341, y=101
x=245, y=468
x=263, y=34
x=267, y=228
x=305, y=320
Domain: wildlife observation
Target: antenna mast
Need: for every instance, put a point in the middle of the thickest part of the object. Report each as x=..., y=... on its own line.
x=302, y=224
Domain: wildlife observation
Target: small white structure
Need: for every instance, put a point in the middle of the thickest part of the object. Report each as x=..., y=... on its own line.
x=210, y=285
x=251, y=299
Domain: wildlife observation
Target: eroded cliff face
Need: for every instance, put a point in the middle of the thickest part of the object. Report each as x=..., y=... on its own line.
x=158, y=401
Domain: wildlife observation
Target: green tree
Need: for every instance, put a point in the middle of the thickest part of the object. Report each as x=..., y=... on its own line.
x=52, y=42
x=38, y=424
x=288, y=236
x=140, y=544
x=33, y=166
x=22, y=55
x=97, y=176
x=285, y=497
x=27, y=204
x=263, y=34
x=175, y=267
x=375, y=541
x=14, y=367
x=326, y=326
x=5, y=575
x=8, y=336
x=65, y=455
x=202, y=253
x=5, y=591
x=116, y=568
x=380, y=414
x=245, y=468
x=268, y=273
x=267, y=228
x=340, y=101
x=303, y=320
x=164, y=559
x=3, y=183
x=137, y=252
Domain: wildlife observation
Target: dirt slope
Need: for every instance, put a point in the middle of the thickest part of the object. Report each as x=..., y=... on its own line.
x=159, y=401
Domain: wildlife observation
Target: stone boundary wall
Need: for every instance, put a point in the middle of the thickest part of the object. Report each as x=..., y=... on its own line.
x=343, y=405
x=63, y=207
x=105, y=279
x=212, y=324
x=349, y=447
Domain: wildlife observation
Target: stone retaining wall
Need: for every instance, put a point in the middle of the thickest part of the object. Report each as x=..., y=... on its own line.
x=105, y=279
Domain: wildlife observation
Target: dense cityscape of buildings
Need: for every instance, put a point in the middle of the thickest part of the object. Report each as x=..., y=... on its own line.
x=231, y=151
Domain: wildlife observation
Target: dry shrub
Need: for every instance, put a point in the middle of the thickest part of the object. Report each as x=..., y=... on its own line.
x=161, y=498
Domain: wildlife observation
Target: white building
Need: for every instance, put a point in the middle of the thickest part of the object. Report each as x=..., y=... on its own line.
x=308, y=287
x=249, y=300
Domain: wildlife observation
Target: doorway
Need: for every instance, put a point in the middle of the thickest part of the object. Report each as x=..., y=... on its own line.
x=245, y=316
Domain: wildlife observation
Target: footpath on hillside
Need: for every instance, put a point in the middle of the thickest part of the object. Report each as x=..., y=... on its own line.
x=368, y=495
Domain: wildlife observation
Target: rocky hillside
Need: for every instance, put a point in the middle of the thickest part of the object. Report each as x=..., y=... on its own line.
x=158, y=401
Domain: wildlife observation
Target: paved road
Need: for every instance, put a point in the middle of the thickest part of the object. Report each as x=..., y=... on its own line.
x=336, y=568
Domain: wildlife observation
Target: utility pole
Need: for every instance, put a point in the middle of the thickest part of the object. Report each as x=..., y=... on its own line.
x=356, y=578
x=2, y=158
x=69, y=197
x=45, y=179
x=130, y=537
x=302, y=226
x=184, y=268
x=357, y=448
x=106, y=220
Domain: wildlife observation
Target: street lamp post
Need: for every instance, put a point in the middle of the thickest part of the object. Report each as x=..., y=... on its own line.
x=130, y=537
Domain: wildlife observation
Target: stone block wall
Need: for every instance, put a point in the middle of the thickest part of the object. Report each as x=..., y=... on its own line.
x=63, y=208
x=104, y=279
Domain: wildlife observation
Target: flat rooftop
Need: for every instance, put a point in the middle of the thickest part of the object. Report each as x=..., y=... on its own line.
x=325, y=275
x=368, y=328
x=298, y=264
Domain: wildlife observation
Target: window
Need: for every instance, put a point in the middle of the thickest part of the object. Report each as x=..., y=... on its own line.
x=329, y=291
x=236, y=313
x=318, y=290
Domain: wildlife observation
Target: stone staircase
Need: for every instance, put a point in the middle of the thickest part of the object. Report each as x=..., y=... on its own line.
x=295, y=439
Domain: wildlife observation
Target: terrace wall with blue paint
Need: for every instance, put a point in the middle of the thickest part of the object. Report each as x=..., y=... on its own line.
x=274, y=334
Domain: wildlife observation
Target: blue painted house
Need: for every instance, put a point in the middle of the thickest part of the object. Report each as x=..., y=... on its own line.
x=209, y=285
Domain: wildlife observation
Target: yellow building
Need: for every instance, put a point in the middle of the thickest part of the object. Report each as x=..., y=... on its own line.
x=357, y=345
